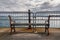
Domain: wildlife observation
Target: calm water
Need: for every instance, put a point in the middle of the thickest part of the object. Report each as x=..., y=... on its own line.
x=4, y=20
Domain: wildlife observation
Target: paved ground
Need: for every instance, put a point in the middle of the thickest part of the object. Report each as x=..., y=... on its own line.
x=54, y=35
x=30, y=36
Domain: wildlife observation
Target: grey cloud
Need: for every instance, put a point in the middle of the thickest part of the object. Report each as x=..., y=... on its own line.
x=7, y=5
x=22, y=5
x=14, y=5
x=28, y=5
x=45, y=5
x=56, y=8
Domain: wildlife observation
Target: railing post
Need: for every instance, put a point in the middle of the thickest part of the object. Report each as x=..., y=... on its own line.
x=47, y=29
x=29, y=15
x=49, y=21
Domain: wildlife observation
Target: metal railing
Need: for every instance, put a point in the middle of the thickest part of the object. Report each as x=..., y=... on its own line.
x=23, y=17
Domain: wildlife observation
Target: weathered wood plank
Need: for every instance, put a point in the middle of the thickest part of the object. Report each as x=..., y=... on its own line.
x=28, y=24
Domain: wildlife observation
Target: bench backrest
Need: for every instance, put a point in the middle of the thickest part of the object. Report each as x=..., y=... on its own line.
x=10, y=19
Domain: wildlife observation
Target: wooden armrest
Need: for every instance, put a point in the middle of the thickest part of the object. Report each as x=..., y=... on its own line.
x=46, y=20
x=12, y=22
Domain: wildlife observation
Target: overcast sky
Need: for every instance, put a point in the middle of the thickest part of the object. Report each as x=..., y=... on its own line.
x=34, y=5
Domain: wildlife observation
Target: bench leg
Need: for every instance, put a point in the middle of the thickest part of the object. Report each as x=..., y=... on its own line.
x=11, y=30
x=14, y=29
x=45, y=28
x=47, y=31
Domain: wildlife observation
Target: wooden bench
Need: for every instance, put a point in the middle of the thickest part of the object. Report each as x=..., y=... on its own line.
x=13, y=24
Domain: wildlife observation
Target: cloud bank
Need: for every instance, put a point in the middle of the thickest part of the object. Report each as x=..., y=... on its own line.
x=34, y=5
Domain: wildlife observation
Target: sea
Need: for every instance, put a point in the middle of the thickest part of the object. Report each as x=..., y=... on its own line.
x=4, y=19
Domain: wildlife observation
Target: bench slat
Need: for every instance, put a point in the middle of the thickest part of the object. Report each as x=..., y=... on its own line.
x=28, y=24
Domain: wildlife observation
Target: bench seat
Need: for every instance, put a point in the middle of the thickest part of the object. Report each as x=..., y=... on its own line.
x=37, y=24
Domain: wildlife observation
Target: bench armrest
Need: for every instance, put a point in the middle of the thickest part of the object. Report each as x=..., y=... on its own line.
x=46, y=21
x=12, y=22
x=10, y=19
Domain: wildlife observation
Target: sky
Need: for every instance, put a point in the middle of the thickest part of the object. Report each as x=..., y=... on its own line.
x=33, y=5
